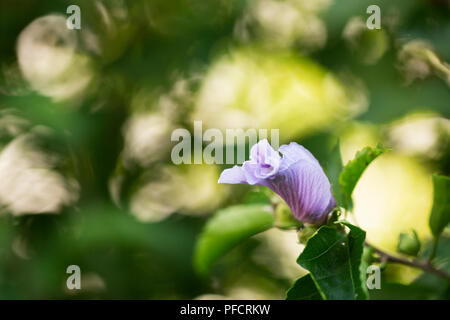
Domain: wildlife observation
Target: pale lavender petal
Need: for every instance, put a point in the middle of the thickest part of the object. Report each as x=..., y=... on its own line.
x=233, y=175
x=294, y=152
x=249, y=169
x=263, y=164
x=263, y=152
x=252, y=172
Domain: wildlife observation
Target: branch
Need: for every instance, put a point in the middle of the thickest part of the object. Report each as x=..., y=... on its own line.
x=412, y=263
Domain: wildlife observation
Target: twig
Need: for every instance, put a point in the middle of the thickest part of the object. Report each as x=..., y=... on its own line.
x=412, y=263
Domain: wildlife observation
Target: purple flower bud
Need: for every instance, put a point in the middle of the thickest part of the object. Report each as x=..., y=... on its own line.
x=297, y=177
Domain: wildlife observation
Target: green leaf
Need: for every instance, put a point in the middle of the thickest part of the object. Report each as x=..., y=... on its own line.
x=327, y=259
x=228, y=228
x=353, y=171
x=334, y=261
x=303, y=289
x=356, y=238
x=440, y=214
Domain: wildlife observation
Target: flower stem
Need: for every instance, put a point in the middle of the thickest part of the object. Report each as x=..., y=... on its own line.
x=433, y=250
x=425, y=266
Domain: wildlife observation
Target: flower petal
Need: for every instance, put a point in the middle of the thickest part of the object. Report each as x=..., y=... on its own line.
x=306, y=189
x=294, y=152
x=233, y=175
x=262, y=152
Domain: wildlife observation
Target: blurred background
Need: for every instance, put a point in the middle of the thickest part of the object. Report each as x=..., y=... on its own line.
x=86, y=117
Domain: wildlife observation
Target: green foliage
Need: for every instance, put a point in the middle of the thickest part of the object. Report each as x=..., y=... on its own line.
x=353, y=171
x=228, y=228
x=440, y=214
x=426, y=286
x=104, y=241
x=334, y=261
x=356, y=238
x=333, y=170
x=304, y=289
